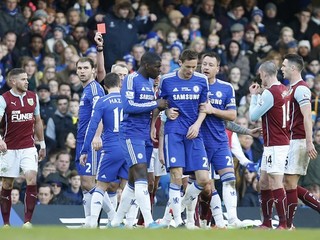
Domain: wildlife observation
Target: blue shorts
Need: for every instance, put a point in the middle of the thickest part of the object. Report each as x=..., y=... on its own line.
x=185, y=153
x=219, y=157
x=112, y=164
x=134, y=151
x=90, y=169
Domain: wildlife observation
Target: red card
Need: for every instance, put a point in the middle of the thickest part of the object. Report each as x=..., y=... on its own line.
x=101, y=28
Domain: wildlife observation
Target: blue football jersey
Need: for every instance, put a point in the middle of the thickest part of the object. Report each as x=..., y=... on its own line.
x=138, y=99
x=221, y=96
x=91, y=93
x=186, y=95
x=109, y=109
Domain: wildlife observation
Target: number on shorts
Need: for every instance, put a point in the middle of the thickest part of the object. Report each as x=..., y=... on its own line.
x=229, y=161
x=88, y=167
x=269, y=159
x=205, y=162
x=117, y=118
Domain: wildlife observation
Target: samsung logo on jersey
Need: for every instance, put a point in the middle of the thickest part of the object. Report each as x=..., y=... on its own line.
x=216, y=101
x=23, y=117
x=146, y=97
x=186, y=96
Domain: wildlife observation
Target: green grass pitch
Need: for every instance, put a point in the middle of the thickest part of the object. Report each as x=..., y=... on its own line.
x=62, y=233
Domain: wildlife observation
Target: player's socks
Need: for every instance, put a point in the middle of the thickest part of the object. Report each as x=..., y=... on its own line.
x=113, y=199
x=167, y=217
x=131, y=215
x=292, y=203
x=175, y=201
x=125, y=203
x=30, y=202
x=143, y=200
x=216, y=209
x=191, y=208
x=96, y=205
x=107, y=206
x=280, y=201
x=266, y=206
x=308, y=198
x=5, y=203
x=87, y=195
x=230, y=195
x=192, y=192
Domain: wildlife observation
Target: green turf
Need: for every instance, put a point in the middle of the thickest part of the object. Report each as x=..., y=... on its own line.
x=62, y=233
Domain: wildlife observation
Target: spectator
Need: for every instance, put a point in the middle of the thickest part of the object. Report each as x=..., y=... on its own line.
x=234, y=76
x=47, y=168
x=25, y=38
x=65, y=89
x=286, y=36
x=198, y=45
x=30, y=66
x=176, y=49
x=304, y=49
x=11, y=19
x=184, y=37
x=73, y=193
x=85, y=10
x=313, y=67
x=49, y=73
x=71, y=67
x=70, y=147
x=59, y=125
x=59, y=33
x=171, y=37
x=45, y=194
x=194, y=27
x=27, y=13
x=68, y=52
x=58, y=185
x=11, y=59
x=256, y=20
x=47, y=107
x=249, y=194
x=76, y=86
x=15, y=196
x=73, y=19
x=237, y=34
x=54, y=88
x=137, y=52
x=49, y=60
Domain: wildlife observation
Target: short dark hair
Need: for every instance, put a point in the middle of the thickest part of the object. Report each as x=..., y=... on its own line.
x=212, y=55
x=188, y=54
x=296, y=60
x=150, y=58
x=62, y=97
x=15, y=72
x=111, y=80
x=86, y=59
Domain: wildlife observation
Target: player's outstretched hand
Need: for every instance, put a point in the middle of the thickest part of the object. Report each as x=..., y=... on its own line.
x=83, y=159
x=255, y=132
x=312, y=152
x=42, y=154
x=162, y=104
x=172, y=113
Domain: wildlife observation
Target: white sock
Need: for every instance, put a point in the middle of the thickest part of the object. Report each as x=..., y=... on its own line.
x=108, y=207
x=131, y=216
x=87, y=195
x=96, y=204
x=175, y=200
x=167, y=217
x=126, y=197
x=113, y=199
x=143, y=200
x=192, y=192
x=190, y=211
x=230, y=199
x=216, y=209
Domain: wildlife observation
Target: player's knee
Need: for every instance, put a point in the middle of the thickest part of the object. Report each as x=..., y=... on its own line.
x=176, y=176
x=203, y=181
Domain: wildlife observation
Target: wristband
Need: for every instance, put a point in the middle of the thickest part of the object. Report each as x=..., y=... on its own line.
x=99, y=49
x=42, y=144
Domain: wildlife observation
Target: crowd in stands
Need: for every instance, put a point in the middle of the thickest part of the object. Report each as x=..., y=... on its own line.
x=47, y=38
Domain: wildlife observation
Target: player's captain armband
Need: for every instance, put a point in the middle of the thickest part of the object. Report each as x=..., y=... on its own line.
x=129, y=94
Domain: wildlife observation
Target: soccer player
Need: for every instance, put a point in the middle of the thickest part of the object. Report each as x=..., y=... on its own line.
x=220, y=108
x=92, y=91
x=185, y=90
x=271, y=105
x=21, y=111
x=138, y=101
x=112, y=165
x=301, y=145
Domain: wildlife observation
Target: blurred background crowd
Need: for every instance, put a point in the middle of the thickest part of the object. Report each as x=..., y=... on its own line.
x=47, y=37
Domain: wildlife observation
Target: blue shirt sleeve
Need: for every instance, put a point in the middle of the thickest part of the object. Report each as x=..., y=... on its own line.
x=96, y=116
x=130, y=105
x=231, y=100
x=258, y=107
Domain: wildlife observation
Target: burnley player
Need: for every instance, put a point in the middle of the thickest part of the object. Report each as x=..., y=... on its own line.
x=271, y=105
x=185, y=90
x=301, y=146
x=21, y=111
x=92, y=91
x=137, y=96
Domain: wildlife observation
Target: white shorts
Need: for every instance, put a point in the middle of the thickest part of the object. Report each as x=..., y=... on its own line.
x=298, y=159
x=274, y=159
x=13, y=160
x=155, y=166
